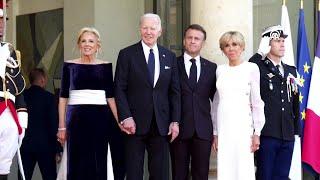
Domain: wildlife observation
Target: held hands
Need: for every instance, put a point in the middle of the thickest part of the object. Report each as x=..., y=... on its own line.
x=255, y=143
x=264, y=46
x=173, y=130
x=128, y=126
x=122, y=128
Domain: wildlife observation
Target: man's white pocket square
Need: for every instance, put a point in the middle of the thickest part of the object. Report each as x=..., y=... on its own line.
x=167, y=67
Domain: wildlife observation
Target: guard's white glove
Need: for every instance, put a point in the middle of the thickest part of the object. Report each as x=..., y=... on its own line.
x=4, y=55
x=23, y=120
x=4, y=52
x=264, y=46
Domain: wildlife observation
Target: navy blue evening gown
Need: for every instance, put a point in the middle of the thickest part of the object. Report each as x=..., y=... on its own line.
x=87, y=124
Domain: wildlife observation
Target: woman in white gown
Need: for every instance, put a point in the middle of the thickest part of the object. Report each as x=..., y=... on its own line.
x=237, y=111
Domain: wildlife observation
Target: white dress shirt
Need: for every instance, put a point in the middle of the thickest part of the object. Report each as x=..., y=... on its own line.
x=188, y=63
x=146, y=51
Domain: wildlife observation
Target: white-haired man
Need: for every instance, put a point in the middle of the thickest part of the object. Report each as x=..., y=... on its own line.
x=147, y=93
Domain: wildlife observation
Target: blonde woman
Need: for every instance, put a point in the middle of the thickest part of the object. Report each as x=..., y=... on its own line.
x=86, y=91
x=238, y=115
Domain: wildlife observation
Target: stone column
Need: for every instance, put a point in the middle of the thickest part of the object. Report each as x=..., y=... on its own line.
x=116, y=20
x=219, y=16
x=118, y=24
x=75, y=16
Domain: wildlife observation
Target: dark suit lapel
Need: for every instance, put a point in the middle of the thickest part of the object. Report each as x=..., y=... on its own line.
x=141, y=62
x=183, y=71
x=162, y=63
x=203, y=71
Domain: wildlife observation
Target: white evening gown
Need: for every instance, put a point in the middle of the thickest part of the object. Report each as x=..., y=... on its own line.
x=237, y=115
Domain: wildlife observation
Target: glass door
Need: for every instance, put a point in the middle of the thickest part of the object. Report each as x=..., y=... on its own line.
x=175, y=17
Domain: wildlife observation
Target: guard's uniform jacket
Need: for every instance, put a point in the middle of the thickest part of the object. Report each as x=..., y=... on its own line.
x=281, y=100
x=12, y=107
x=11, y=89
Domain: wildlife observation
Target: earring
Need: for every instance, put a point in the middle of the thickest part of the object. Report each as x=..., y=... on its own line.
x=98, y=52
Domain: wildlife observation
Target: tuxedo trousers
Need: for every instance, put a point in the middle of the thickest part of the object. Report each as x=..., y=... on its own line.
x=157, y=147
x=192, y=149
x=46, y=162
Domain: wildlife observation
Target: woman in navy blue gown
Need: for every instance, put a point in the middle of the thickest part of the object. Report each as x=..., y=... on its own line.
x=86, y=91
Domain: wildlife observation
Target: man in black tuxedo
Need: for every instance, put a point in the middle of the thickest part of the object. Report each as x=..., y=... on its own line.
x=40, y=144
x=198, y=85
x=147, y=94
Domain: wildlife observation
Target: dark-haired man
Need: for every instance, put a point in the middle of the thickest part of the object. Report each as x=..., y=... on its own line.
x=279, y=91
x=198, y=85
x=40, y=144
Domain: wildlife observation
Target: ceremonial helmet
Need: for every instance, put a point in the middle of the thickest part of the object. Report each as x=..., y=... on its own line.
x=3, y=15
x=274, y=32
x=3, y=8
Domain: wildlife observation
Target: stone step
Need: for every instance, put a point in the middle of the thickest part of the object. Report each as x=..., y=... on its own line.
x=213, y=174
x=213, y=167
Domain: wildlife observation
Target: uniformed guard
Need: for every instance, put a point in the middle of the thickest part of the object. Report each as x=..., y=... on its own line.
x=279, y=91
x=13, y=114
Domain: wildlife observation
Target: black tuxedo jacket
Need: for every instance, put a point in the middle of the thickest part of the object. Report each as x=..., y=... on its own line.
x=281, y=110
x=43, y=121
x=195, y=104
x=135, y=95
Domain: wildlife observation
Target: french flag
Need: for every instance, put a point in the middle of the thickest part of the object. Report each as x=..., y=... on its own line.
x=311, y=138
